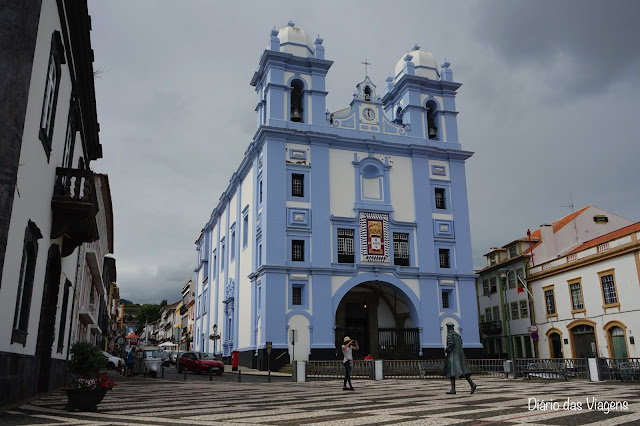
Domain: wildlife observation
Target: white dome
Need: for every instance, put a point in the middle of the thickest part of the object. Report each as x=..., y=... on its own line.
x=295, y=41
x=426, y=65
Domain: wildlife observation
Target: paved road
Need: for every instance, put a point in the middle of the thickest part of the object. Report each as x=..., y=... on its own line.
x=224, y=401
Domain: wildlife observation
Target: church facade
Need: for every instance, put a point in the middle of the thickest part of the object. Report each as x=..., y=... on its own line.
x=347, y=223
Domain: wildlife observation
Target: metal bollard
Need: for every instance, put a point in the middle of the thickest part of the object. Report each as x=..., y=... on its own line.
x=162, y=374
x=185, y=375
x=239, y=375
x=269, y=377
x=210, y=376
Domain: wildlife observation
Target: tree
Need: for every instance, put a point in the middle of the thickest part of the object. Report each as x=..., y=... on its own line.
x=148, y=314
x=126, y=302
x=163, y=303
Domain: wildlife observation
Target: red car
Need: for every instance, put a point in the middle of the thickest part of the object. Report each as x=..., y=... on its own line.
x=200, y=362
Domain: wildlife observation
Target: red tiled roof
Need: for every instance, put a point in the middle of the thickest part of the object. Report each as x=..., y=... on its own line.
x=560, y=223
x=635, y=227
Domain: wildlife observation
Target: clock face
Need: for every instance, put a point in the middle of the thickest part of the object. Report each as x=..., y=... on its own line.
x=368, y=114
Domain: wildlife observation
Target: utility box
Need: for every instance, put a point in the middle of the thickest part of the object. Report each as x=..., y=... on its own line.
x=508, y=369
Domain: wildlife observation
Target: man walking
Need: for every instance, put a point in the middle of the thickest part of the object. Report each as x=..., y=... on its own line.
x=347, y=349
x=456, y=363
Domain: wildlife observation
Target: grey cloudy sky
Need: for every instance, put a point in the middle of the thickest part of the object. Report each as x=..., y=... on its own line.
x=549, y=105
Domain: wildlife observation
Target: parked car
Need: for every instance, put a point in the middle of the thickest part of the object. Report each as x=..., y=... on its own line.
x=113, y=361
x=200, y=362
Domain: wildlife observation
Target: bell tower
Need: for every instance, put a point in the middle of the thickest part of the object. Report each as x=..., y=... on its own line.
x=421, y=96
x=290, y=81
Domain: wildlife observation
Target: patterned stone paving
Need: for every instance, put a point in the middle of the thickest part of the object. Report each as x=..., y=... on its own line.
x=197, y=401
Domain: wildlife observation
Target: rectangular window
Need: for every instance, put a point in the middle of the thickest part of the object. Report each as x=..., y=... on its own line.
x=204, y=303
x=492, y=259
x=524, y=309
x=25, y=284
x=496, y=313
x=550, y=302
x=297, y=185
x=245, y=226
x=515, y=310
x=222, y=259
x=345, y=246
x=63, y=316
x=50, y=99
x=297, y=250
x=485, y=287
x=400, y=249
x=444, y=258
x=513, y=251
x=494, y=287
x=520, y=275
x=232, y=253
x=69, y=142
x=296, y=295
x=512, y=280
x=215, y=265
x=609, y=289
x=487, y=314
x=576, y=296
x=259, y=254
x=260, y=192
x=439, y=198
x=445, y=300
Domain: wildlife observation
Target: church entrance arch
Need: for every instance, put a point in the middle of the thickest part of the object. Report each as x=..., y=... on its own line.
x=381, y=315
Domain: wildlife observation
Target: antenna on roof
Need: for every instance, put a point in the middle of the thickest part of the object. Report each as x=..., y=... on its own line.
x=573, y=211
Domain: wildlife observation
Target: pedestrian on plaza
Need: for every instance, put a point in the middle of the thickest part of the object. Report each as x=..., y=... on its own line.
x=131, y=360
x=456, y=364
x=347, y=348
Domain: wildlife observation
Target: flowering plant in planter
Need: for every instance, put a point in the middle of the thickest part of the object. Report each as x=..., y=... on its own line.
x=101, y=382
x=87, y=386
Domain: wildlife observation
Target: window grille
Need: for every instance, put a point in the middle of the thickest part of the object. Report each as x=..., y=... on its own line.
x=440, y=199
x=609, y=289
x=550, y=302
x=345, y=246
x=297, y=250
x=444, y=258
x=400, y=249
x=297, y=185
x=296, y=296
x=576, y=296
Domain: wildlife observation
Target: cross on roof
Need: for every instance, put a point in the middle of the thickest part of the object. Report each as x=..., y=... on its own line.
x=365, y=63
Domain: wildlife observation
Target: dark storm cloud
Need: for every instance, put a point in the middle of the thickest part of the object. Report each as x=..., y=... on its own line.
x=580, y=47
x=548, y=105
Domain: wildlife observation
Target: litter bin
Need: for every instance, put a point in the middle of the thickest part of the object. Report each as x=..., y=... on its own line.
x=234, y=361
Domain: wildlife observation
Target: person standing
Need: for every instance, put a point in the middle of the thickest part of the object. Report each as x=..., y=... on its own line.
x=456, y=363
x=347, y=348
x=130, y=361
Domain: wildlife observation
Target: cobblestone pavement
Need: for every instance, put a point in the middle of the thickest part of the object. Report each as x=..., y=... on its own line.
x=224, y=401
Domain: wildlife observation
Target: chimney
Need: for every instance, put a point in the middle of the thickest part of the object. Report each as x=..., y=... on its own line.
x=547, y=250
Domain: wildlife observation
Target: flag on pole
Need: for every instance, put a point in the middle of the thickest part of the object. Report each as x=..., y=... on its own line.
x=520, y=289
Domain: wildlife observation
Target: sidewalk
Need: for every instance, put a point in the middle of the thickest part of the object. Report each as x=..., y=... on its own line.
x=251, y=371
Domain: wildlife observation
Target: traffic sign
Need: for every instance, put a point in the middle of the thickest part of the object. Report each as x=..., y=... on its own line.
x=533, y=328
x=534, y=335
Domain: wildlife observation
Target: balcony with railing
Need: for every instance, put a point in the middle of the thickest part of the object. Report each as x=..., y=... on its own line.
x=88, y=314
x=491, y=327
x=74, y=206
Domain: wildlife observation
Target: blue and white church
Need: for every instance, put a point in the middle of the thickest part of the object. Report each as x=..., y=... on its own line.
x=353, y=222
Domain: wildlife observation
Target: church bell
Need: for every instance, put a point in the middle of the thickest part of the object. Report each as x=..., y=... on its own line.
x=296, y=115
x=432, y=132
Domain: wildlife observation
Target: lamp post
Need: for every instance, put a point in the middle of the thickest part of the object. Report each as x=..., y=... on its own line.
x=504, y=274
x=215, y=335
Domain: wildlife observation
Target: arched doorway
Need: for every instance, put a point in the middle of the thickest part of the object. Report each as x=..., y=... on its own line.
x=46, y=330
x=583, y=339
x=555, y=344
x=617, y=339
x=382, y=318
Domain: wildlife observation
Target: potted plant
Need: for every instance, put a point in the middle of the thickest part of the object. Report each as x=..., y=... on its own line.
x=87, y=386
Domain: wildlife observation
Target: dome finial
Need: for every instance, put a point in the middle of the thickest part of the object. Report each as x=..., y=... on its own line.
x=291, y=23
x=415, y=47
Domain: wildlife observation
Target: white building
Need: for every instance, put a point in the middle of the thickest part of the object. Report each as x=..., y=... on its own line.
x=586, y=302
x=503, y=302
x=49, y=135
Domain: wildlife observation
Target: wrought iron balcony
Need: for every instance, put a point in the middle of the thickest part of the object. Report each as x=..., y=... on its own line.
x=74, y=206
x=491, y=327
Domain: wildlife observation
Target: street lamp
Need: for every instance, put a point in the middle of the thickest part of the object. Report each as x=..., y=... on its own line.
x=215, y=335
x=504, y=274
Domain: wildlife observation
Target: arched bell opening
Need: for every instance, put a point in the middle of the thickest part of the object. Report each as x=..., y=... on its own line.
x=367, y=93
x=296, y=101
x=381, y=318
x=432, y=124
